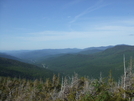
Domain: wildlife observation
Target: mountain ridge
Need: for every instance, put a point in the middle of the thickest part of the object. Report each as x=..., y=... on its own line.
x=35, y=55
x=93, y=64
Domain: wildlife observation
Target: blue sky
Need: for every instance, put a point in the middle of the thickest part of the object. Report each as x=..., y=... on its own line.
x=43, y=24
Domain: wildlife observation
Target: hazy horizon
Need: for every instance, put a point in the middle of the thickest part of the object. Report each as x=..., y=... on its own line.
x=63, y=48
x=57, y=24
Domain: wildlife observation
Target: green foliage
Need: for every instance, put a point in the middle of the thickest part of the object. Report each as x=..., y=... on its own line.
x=13, y=89
x=92, y=64
x=79, y=89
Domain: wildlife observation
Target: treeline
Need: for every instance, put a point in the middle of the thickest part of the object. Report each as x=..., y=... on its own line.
x=73, y=88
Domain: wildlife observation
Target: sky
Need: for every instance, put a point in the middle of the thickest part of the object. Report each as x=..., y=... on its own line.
x=58, y=24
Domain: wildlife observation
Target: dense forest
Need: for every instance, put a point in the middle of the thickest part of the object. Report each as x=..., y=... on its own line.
x=92, y=64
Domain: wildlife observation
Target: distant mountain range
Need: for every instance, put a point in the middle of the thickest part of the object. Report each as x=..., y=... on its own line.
x=33, y=56
x=93, y=50
x=89, y=61
x=93, y=64
x=3, y=55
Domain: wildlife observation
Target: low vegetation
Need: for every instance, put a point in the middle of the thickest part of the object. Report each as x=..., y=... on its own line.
x=73, y=88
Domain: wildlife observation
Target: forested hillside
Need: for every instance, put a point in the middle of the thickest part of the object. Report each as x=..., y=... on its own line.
x=13, y=68
x=93, y=64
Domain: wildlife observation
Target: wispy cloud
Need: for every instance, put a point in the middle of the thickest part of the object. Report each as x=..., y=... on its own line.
x=99, y=30
x=83, y=39
x=62, y=36
x=96, y=6
x=53, y=35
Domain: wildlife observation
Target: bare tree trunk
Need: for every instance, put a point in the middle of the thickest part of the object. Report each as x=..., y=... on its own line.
x=124, y=76
x=100, y=77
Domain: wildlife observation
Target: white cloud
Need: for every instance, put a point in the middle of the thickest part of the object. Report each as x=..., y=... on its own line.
x=54, y=35
x=62, y=36
x=97, y=31
x=62, y=39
